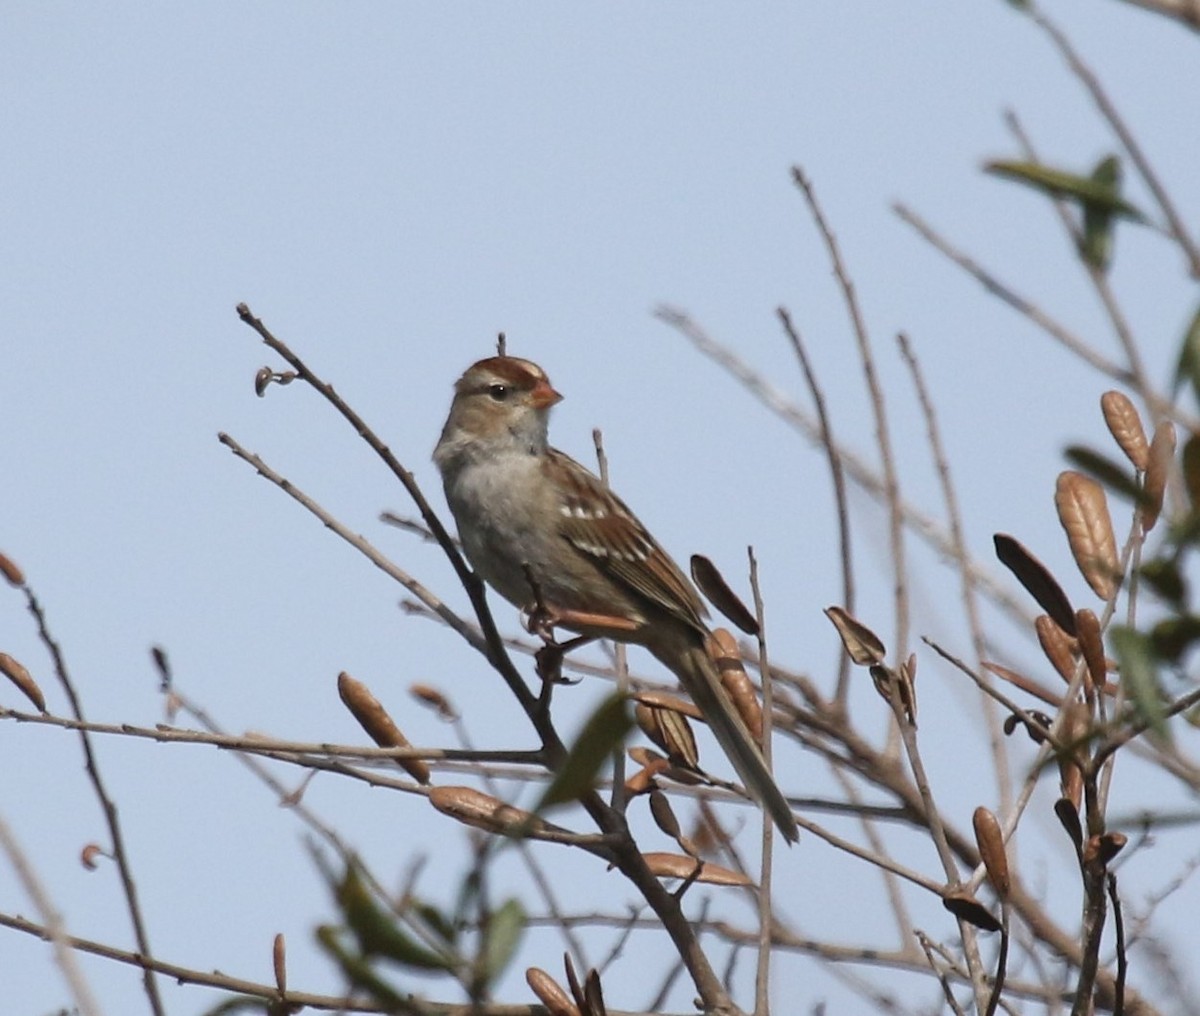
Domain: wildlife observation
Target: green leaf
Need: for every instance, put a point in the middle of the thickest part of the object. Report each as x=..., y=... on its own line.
x=1108, y=471
x=1139, y=675
x=1188, y=367
x=378, y=932
x=1099, y=195
x=1097, y=242
x=1174, y=636
x=1162, y=574
x=439, y=924
x=505, y=929
x=604, y=732
x=359, y=973
x=240, y=1004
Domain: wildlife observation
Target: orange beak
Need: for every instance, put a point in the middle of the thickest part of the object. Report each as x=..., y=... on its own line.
x=543, y=395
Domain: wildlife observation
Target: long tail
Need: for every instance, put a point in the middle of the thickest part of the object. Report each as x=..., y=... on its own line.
x=700, y=679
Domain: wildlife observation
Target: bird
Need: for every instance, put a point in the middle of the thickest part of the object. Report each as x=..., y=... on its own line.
x=546, y=533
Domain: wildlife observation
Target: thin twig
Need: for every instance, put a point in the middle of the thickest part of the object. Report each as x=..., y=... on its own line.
x=1089, y=81
x=998, y=743
x=856, y=469
x=891, y=479
x=1100, y=282
x=1059, y=332
x=107, y=805
x=838, y=479
x=52, y=922
x=762, y=969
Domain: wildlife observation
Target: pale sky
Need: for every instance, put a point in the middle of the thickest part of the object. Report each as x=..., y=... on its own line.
x=390, y=186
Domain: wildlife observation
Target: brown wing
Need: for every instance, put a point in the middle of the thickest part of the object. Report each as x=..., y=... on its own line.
x=598, y=523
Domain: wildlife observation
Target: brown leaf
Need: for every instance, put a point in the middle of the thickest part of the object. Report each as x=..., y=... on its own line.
x=593, y=994
x=1059, y=647
x=661, y=700
x=1036, y=579
x=1091, y=644
x=1190, y=460
x=681, y=866
x=885, y=679
x=660, y=766
x=670, y=731
x=967, y=908
x=1125, y=425
x=664, y=817
x=88, y=855
x=279, y=962
x=11, y=571
x=374, y=719
x=428, y=695
x=1067, y=811
x=713, y=585
x=550, y=993
x=722, y=648
x=990, y=839
x=1083, y=512
x=24, y=681
x=1162, y=454
x=863, y=645
x=474, y=808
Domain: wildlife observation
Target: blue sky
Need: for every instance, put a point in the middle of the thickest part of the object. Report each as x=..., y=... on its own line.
x=389, y=186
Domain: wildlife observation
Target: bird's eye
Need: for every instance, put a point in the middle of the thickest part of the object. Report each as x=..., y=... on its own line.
x=498, y=392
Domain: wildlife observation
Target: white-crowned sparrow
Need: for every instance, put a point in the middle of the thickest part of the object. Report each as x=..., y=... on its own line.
x=525, y=510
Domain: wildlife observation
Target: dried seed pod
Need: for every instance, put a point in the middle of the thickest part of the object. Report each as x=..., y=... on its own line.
x=1154, y=483
x=89, y=853
x=593, y=995
x=1111, y=844
x=1091, y=644
x=1073, y=733
x=1036, y=579
x=263, y=377
x=1100, y=850
x=1125, y=425
x=428, y=695
x=643, y=780
x=279, y=962
x=374, y=719
x=990, y=840
x=884, y=679
x=474, y=808
x=1067, y=811
x=661, y=700
x=713, y=585
x=863, y=645
x=660, y=766
x=1083, y=513
x=664, y=814
x=1190, y=462
x=10, y=570
x=908, y=687
x=550, y=993
x=1059, y=647
x=670, y=731
x=681, y=866
x=723, y=650
x=967, y=908
x=24, y=681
